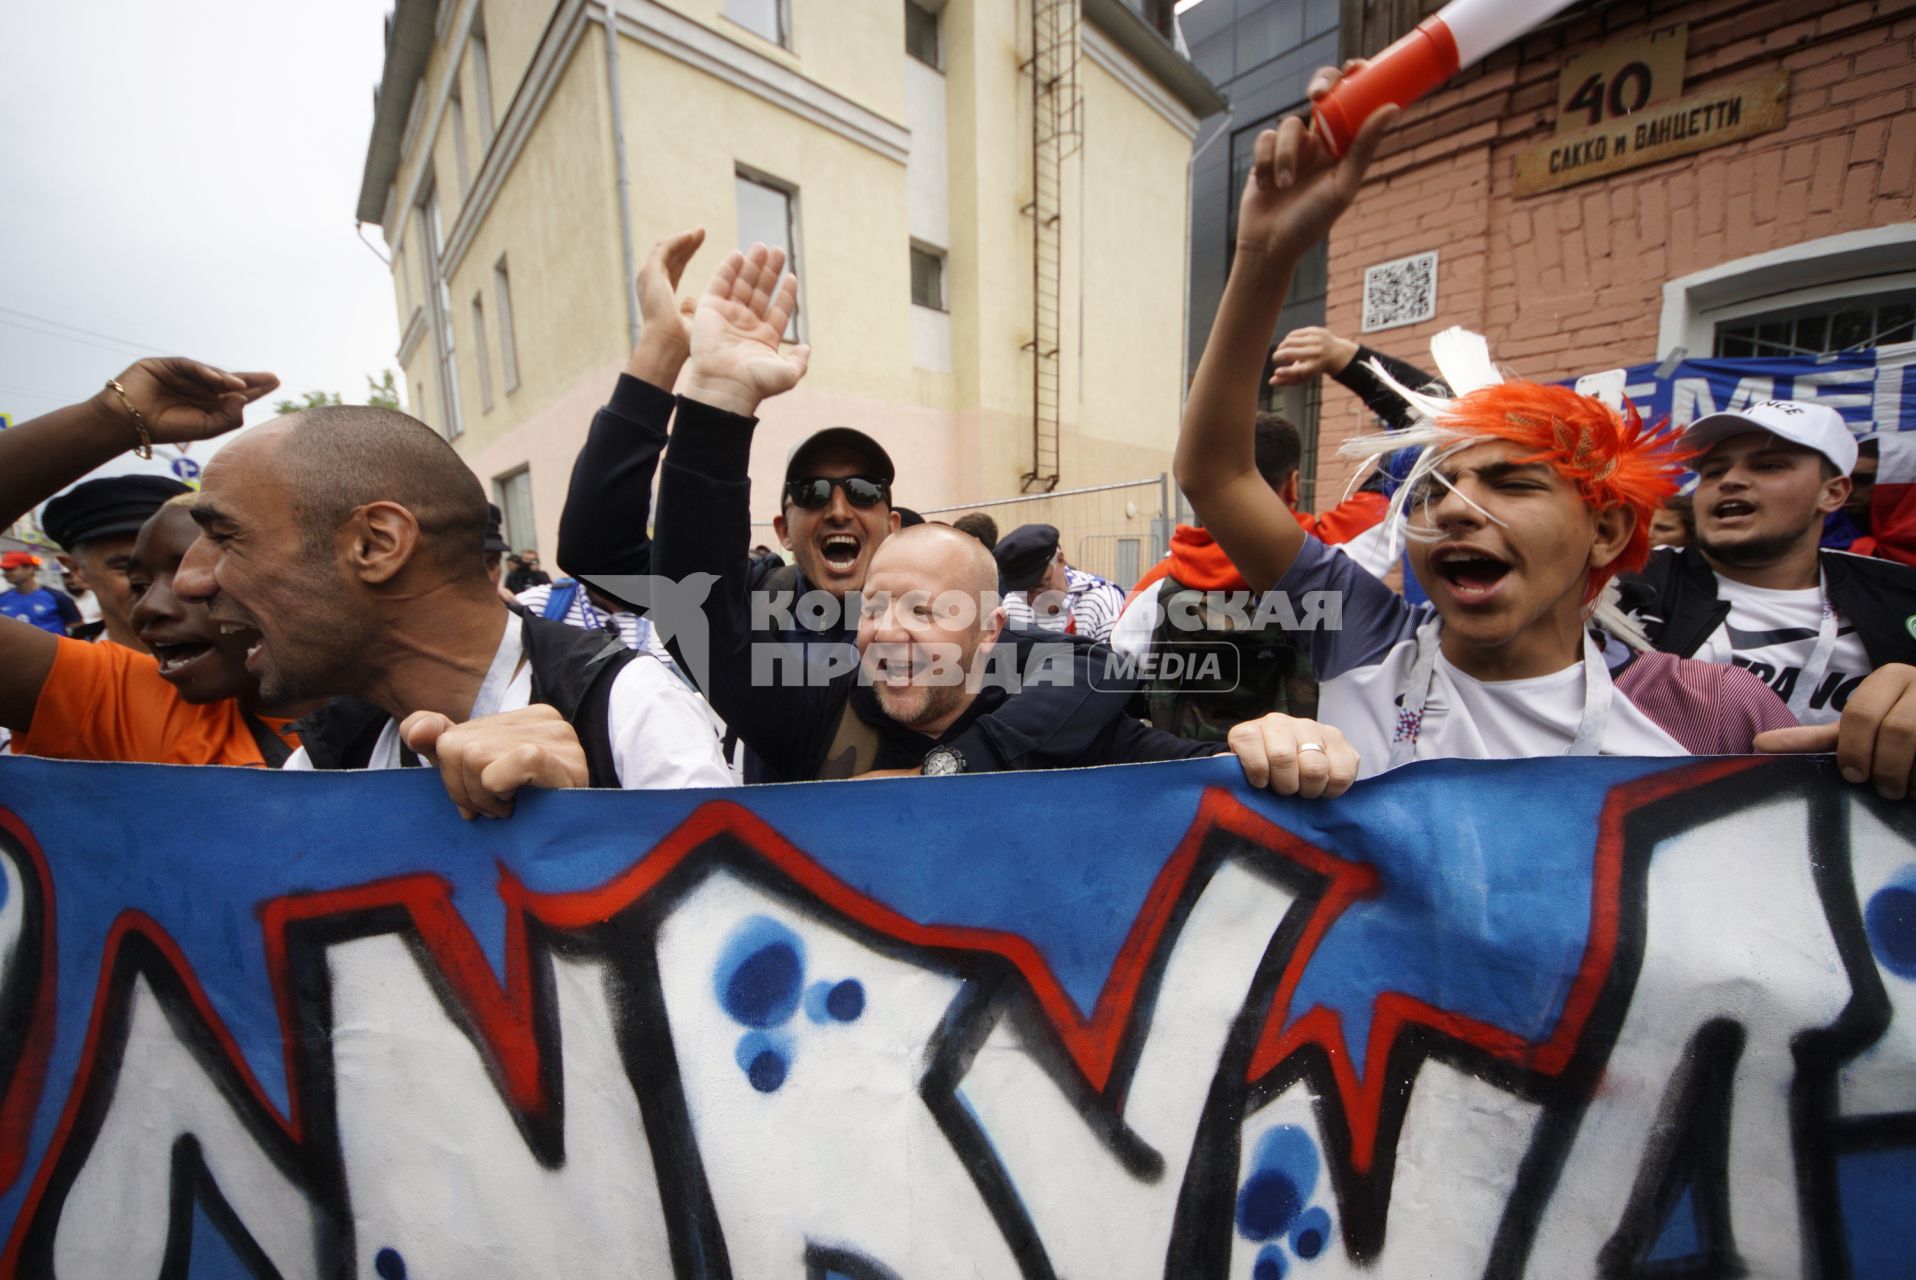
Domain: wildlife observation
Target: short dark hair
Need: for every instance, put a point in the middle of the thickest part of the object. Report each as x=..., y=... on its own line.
x=1278, y=449
x=342, y=457
x=980, y=526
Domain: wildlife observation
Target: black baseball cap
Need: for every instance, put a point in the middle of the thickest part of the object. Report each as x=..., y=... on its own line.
x=879, y=464
x=1023, y=555
x=106, y=507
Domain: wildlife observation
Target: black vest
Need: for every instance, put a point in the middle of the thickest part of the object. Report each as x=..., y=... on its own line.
x=572, y=671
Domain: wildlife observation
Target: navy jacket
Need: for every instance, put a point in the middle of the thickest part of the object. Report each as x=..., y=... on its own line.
x=704, y=526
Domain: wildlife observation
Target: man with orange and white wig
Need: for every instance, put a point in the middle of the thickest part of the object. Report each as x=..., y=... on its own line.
x=1526, y=501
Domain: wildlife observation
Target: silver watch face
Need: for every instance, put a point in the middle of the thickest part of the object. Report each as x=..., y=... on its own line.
x=940, y=761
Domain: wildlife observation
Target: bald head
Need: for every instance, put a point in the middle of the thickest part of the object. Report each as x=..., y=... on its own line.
x=951, y=558
x=338, y=458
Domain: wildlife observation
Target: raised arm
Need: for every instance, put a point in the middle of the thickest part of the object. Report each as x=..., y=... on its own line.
x=704, y=521
x=1314, y=351
x=603, y=529
x=1295, y=192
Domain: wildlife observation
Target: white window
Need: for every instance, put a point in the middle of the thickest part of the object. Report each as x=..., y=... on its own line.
x=440, y=296
x=767, y=215
x=513, y=493
x=508, y=345
x=480, y=364
x=927, y=278
x=765, y=17
x=921, y=33
x=456, y=121
x=481, y=81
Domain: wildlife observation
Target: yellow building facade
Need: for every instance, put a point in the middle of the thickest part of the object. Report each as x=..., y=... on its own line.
x=941, y=211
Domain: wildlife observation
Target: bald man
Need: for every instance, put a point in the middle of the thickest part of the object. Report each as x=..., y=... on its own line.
x=935, y=659
x=351, y=540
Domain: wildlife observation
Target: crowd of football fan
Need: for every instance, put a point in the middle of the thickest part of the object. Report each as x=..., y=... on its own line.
x=1518, y=574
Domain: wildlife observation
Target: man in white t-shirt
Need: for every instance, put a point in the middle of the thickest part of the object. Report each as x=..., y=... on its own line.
x=1528, y=499
x=350, y=539
x=1755, y=589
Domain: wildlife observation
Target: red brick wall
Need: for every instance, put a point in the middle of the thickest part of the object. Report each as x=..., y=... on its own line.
x=1572, y=280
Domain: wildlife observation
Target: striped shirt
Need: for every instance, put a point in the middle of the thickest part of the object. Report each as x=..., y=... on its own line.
x=635, y=631
x=1091, y=608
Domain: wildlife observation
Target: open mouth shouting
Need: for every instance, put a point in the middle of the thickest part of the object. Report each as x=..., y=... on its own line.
x=840, y=550
x=179, y=656
x=1472, y=574
x=1732, y=509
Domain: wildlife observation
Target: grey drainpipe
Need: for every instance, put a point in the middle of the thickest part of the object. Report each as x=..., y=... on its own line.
x=625, y=184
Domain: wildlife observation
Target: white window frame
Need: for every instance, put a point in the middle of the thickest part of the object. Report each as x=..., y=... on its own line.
x=526, y=539
x=456, y=122
x=508, y=341
x=1869, y=261
x=938, y=34
x=481, y=364
x=782, y=14
x=794, y=235
x=481, y=64
x=944, y=288
x=439, y=299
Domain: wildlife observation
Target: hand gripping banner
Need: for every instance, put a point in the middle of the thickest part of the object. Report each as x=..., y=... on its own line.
x=1547, y=1018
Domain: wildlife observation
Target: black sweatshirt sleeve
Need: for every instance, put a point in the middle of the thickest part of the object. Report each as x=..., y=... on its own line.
x=1058, y=719
x=602, y=530
x=1362, y=381
x=705, y=527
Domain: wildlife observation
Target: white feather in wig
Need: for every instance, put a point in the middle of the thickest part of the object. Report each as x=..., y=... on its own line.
x=1463, y=360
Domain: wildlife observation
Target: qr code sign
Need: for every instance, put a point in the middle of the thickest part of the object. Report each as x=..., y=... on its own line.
x=1400, y=292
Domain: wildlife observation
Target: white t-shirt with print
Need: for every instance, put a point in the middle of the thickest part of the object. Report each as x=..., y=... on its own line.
x=1772, y=633
x=1364, y=668
x=663, y=736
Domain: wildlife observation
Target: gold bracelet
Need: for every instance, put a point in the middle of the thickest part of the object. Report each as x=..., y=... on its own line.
x=144, y=449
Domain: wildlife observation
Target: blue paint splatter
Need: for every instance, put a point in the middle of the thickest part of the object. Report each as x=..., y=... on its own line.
x=815, y=1004
x=760, y=973
x=765, y=1059
x=1313, y=1230
x=389, y=1265
x=1269, y=1264
x=1283, y=1175
x=846, y=1001
x=1891, y=921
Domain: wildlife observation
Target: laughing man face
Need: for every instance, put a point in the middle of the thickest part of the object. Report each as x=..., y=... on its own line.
x=833, y=544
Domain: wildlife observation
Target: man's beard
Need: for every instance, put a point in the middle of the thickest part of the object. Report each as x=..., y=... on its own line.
x=1751, y=553
x=939, y=699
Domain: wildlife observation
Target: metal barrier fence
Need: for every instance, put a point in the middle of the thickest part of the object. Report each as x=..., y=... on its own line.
x=1116, y=531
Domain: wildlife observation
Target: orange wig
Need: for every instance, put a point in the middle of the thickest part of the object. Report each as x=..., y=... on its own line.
x=1613, y=459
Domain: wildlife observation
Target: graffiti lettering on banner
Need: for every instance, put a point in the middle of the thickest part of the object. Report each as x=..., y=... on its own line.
x=1540, y=1018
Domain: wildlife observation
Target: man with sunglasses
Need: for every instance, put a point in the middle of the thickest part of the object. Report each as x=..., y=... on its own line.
x=781, y=638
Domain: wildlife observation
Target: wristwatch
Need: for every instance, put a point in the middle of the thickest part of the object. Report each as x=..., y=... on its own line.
x=943, y=761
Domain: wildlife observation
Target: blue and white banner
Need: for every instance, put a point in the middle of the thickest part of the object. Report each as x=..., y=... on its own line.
x=1546, y=1018
x=1874, y=390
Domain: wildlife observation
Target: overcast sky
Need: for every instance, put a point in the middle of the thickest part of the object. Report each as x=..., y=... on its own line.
x=180, y=180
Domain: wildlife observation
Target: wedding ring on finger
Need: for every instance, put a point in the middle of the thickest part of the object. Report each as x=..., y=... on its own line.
x=1310, y=746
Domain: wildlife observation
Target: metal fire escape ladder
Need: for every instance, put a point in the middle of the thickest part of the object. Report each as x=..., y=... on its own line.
x=1057, y=131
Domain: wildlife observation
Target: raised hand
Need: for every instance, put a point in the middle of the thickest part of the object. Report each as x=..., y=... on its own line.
x=1309, y=353
x=1297, y=188
x=181, y=400
x=665, y=320
x=736, y=332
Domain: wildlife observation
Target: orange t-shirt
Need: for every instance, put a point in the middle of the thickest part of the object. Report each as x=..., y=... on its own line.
x=107, y=702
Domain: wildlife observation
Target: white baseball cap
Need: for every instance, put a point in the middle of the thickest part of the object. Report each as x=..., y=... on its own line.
x=1814, y=426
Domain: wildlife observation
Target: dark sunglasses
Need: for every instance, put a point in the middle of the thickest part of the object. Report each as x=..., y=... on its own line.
x=813, y=492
